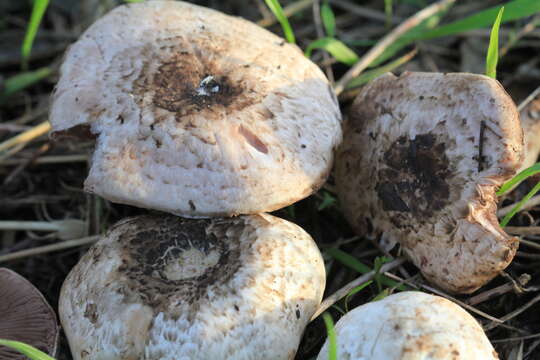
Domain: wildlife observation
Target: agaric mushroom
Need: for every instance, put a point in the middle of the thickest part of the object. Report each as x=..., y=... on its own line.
x=410, y=325
x=171, y=288
x=422, y=157
x=25, y=316
x=530, y=121
x=196, y=113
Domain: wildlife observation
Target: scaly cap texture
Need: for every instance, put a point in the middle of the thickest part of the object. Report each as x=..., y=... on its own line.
x=422, y=158
x=410, y=326
x=195, y=112
x=167, y=288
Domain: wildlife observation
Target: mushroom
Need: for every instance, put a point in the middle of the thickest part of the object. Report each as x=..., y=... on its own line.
x=422, y=157
x=195, y=112
x=410, y=325
x=25, y=316
x=164, y=287
x=530, y=121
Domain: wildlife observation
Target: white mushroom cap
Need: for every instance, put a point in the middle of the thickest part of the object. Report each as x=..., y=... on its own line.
x=195, y=112
x=170, y=288
x=410, y=326
x=410, y=163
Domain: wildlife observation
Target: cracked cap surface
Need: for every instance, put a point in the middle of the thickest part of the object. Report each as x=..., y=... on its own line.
x=167, y=288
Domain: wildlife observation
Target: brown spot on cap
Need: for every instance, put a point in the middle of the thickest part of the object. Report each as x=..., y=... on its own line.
x=153, y=247
x=25, y=316
x=415, y=177
x=253, y=140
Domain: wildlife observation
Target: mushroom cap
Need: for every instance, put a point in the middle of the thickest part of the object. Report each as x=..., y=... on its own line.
x=195, y=112
x=409, y=326
x=25, y=316
x=174, y=288
x=530, y=121
x=409, y=163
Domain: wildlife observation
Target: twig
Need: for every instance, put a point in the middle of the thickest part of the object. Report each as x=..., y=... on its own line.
x=320, y=33
x=446, y=296
x=20, y=168
x=500, y=290
x=525, y=255
x=287, y=11
x=26, y=136
x=513, y=313
x=529, y=27
x=522, y=230
x=519, y=338
x=364, y=11
x=529, y=244
x=53, y=159
x=341, y=293
x=49, y=248
x=529, y=204
x=528, y=99
x=386, y=41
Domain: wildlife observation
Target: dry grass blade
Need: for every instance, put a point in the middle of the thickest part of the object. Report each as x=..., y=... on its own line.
x=513, y=313
x=516, y=286
x=523, y=230
x=26, y=136
x=45, y=160
x=529, y=204
x=341, y=293
x=529, y=99
x=446, y=296
x=48, y=248
x=386, y=41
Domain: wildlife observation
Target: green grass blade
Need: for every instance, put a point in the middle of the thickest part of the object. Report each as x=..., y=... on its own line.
x=336, y=48
x=518, y=206
x=427, y=29
x=328, y=19
x=355, y=291
x=26, y=350
x=277, y=10
x=493, y=49
x=39, y=8
x=384, y=293
x=332, y=340
x=379, y=262
x=530, y=171
x=388, y=11
x=337, y=308
x=372, y=74
x=513, y=10
x=328, y=200
x=410, y=36
x=23, y=80
x=355, y=264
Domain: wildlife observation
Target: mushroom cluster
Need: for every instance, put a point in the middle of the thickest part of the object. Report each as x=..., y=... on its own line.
x=422, y=157
x=197, y=114
x=207, y=116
